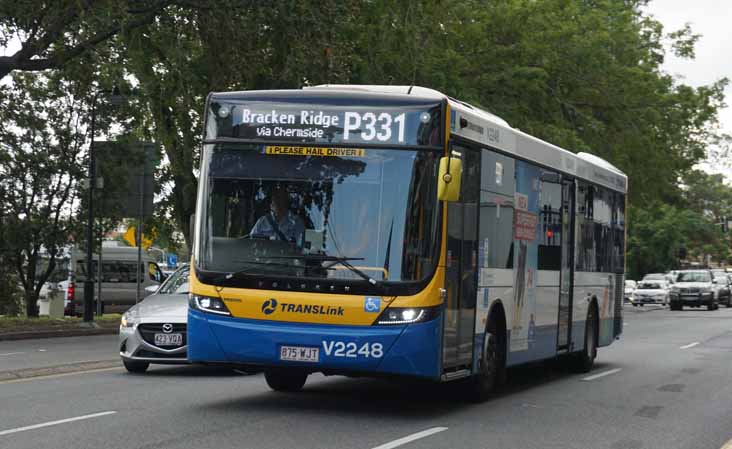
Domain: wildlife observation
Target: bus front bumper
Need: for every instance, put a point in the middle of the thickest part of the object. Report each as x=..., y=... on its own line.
x=409, y=350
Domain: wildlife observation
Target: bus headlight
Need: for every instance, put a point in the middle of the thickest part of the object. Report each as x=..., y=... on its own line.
x=407, y=315
x=208, y=304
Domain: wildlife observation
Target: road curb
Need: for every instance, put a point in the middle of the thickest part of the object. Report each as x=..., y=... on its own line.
x=55, y=333
x=26, y=373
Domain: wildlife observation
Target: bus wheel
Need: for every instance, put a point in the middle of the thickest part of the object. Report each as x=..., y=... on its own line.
x=285, y=380
x=582, y=362
x=492, y=367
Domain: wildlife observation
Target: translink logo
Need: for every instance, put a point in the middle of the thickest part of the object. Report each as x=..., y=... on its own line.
x=270, y=306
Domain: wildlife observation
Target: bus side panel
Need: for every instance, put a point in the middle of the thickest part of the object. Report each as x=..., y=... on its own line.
x=589, y=287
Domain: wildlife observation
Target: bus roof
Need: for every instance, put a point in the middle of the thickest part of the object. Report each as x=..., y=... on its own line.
x=483, y=127
x=472, y=123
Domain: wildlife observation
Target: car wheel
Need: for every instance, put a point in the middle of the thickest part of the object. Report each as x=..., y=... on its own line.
x=582, y=362
x=135, y=367
x=281, y=380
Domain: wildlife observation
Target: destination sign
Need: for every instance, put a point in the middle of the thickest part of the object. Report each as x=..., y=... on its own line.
x=325, y=124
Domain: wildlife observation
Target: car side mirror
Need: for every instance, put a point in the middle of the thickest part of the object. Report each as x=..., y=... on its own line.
x=714, y=281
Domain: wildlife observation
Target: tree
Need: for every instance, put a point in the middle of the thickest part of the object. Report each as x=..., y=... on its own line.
x=54, y=33
x=41, y=143
x=583, y=75
x=180, y=58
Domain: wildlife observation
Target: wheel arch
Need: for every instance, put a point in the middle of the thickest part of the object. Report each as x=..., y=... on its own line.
x=497, y=314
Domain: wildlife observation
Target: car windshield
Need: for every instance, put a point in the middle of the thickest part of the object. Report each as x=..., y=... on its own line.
x=654, y=276
x=694, y=276
x=278, y=211
x=649, y=286
x=177, y=283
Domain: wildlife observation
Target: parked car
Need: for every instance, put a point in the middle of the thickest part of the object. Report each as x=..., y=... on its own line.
x=650, y=292
x=693, y=288
x=154, y=331
x=629, y=288
x=723, y=289
x=119, y=278
x=666, y=278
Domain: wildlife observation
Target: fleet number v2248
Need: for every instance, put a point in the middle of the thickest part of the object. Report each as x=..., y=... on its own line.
x=352, y=350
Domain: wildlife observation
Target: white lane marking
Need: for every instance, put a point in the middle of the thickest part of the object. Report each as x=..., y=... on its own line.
x=602, y=374
x=690, y=345
x=410, y=438
x=12, y=353
x=45, y=350
x=55, y=423
x=727, y=445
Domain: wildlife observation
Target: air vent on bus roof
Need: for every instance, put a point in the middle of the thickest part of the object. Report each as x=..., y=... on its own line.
x=599, y=162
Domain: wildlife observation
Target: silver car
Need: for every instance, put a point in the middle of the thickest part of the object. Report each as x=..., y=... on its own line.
x=154, y=331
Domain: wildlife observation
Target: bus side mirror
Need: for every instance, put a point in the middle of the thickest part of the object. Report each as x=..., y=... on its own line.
x=449, y=176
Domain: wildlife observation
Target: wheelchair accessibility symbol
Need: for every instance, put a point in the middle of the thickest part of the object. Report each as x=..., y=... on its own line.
x=372, y=304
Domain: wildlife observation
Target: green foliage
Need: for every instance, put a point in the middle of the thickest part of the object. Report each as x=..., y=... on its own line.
x=56, y=32
x=585, y=75
x=41, y=143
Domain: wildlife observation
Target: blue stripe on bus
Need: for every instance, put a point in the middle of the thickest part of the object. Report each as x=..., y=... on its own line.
x=408, y=350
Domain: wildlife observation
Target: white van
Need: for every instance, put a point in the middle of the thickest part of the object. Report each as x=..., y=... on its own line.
x=119, y=278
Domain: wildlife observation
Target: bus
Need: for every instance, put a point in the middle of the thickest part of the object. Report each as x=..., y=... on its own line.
x=396, y=231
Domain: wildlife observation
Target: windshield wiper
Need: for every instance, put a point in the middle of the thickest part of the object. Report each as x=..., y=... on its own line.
x=336, y=260
x=233, y=274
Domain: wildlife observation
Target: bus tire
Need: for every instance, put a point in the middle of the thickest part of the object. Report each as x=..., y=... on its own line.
x=281, y=380
x=582, y=361
x=135, y=367
x=492, y=366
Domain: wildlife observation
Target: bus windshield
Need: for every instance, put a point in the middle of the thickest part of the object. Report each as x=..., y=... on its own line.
x=319, y=212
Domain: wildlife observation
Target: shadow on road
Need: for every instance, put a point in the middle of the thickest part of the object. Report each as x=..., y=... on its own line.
x=174, y=371
x=406, y=399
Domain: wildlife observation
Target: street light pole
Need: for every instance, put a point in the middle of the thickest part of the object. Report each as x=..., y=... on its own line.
x=88, y=282
x=116, y=99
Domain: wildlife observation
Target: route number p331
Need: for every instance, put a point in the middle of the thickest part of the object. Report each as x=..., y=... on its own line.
x=373, y=126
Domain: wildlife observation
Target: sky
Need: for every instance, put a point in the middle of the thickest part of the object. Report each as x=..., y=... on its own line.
x=712, y=19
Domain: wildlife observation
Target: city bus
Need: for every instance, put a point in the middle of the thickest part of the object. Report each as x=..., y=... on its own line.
x=395, y=231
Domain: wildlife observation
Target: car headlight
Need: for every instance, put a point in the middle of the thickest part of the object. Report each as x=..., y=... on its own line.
x=128, y=320
x=407, y=315
x=208, y=304
x=706, y=290
x=675, y=289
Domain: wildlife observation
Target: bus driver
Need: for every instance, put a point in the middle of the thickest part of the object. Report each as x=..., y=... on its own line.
x=280, y=223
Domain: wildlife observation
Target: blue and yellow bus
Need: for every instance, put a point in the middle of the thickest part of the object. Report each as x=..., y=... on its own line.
x=395, y=231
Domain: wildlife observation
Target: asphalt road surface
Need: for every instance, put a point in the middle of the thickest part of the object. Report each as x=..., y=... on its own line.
x=666, y=384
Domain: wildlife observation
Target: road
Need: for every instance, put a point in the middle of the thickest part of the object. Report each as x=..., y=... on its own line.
x=666, y=384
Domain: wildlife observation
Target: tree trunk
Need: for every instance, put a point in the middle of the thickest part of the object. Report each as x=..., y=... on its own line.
x=31, y=309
